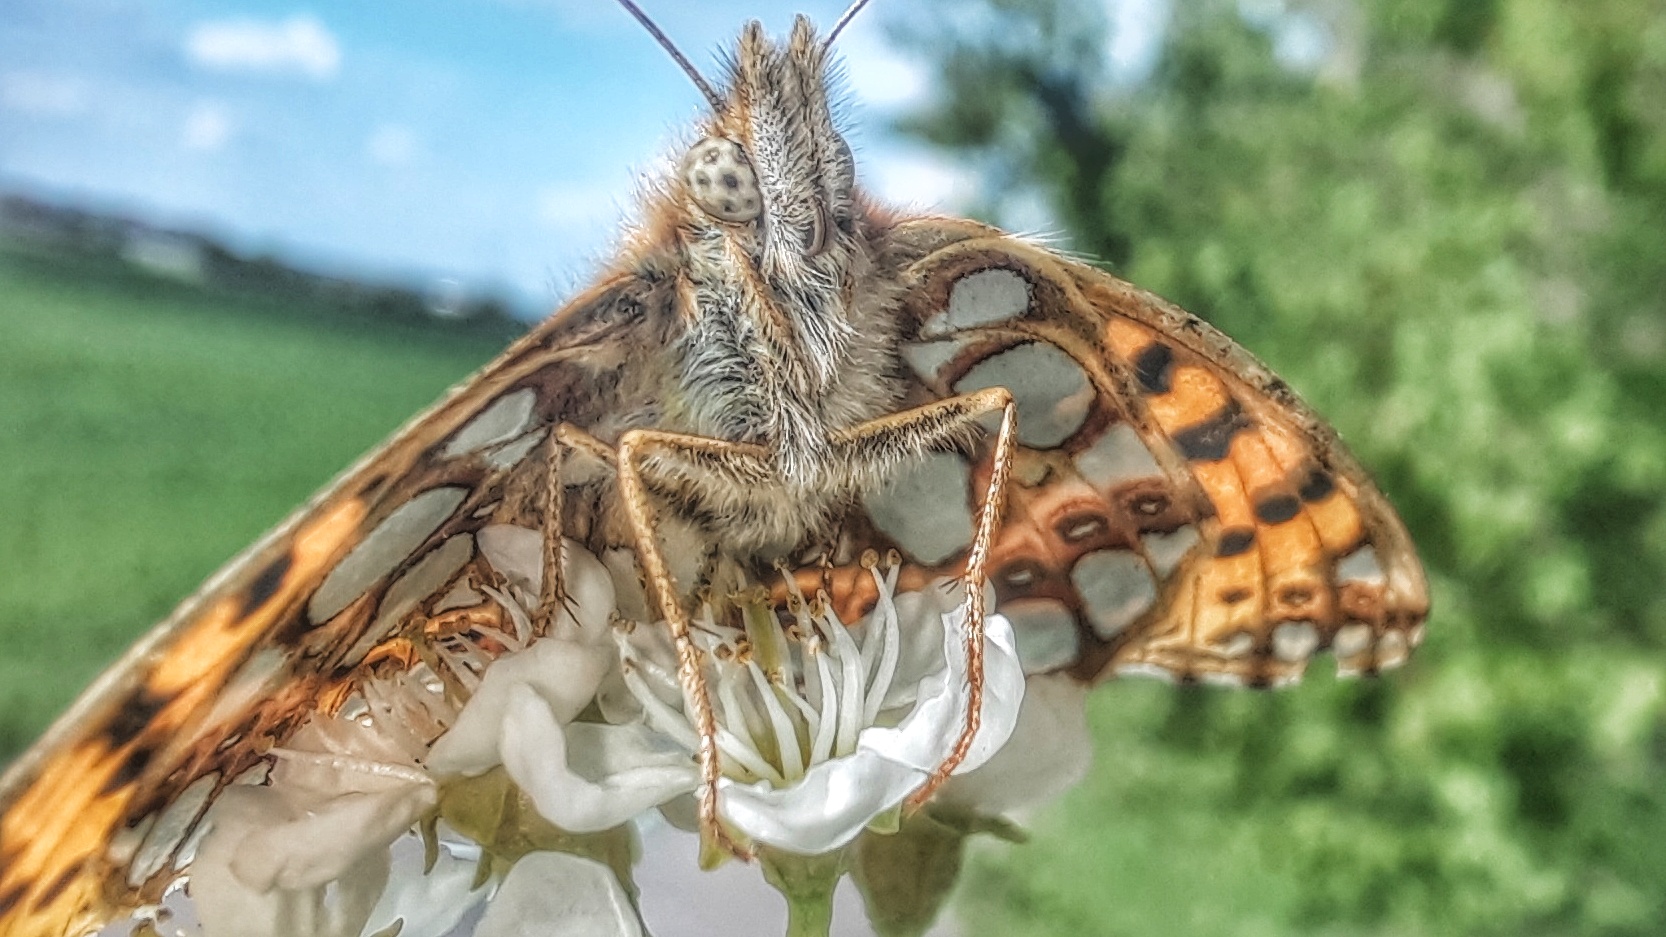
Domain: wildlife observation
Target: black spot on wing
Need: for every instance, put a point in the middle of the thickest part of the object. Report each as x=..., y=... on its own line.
x=1211, y=440
x=266, y=584
x=1154, y=368
x=131, y=767
x=134, y=717
x=1235, y=541
x=1316, y=486
x=1276, y=509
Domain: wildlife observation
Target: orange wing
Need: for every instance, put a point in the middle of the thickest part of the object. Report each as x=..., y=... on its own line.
x=1175, y=509
x=92, y=819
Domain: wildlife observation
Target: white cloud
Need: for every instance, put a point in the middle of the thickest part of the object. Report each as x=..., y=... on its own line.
x=299, y=45
x=207, y=127
x=391, y=145
x=44, y=94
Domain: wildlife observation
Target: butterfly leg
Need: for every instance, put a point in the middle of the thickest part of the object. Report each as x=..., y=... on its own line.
x=641, y=450
x=564, y=439
x=915, y=432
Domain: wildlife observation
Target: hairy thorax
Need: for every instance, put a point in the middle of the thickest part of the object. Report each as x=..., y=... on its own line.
x=783, y=356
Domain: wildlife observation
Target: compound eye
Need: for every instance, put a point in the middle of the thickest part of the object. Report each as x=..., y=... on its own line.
x=722, y=181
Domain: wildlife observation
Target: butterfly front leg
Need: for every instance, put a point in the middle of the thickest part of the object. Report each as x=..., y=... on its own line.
x=564, y=439
x=745, y=462
x=915, y=432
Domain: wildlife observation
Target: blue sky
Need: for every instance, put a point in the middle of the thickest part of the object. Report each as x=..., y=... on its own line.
x=493, y=141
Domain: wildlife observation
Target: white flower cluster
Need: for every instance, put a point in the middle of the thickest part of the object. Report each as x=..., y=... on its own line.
x=824, y=730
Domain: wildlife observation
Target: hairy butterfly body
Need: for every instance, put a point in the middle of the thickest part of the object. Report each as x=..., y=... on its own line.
x=776, y=374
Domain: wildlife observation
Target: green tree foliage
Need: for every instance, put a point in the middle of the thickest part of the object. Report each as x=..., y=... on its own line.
x=1447, y=231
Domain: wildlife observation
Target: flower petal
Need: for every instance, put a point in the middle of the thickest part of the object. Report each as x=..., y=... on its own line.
x=229, y=903
x=318, y=845
x=925, y=737
x=556, y=893
x=563, y=674
x=426, y=904
x=836, y=799
x=1049, y=752
x=633, y=767
x=826, y=808
x=920, y=620
x=518, y=553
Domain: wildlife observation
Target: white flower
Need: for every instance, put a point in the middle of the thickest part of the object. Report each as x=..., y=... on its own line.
x=556, y=893
x=821, y=733
x=889, y=737
x=307, y=850
x=428, y=903
x=583, y=777
x=307, y=853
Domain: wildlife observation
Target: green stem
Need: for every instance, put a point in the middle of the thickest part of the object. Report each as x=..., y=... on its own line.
x=810, y=918
x=808, y=883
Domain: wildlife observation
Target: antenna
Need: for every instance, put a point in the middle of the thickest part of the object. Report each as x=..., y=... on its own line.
x=676, y=55
x=844, y=20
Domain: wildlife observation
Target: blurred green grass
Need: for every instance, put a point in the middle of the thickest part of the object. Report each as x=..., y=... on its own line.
x=149, y=430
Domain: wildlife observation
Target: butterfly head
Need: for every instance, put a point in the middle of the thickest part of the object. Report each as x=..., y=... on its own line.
x=789, y=332
x=771, y=172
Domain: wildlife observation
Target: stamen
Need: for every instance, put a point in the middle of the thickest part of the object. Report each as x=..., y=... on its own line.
x=735, y=748
x=812, y=719
x=809, y=643
x=786, y=736
x=658, y=712
x=870, y=643
x=380, y=769
x=463, y=662
x=397, y=725
x=788, y=692
x=827, y=732
x=885, y=621
x=739, y=715
x=788, y=675
x=648, y=666
x=765, y=634
x=850, y=685
x=517, y=615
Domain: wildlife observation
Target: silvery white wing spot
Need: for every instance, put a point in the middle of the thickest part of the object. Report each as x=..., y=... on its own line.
x=775, y=381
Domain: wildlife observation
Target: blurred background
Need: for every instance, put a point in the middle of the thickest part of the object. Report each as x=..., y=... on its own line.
x=240, y=241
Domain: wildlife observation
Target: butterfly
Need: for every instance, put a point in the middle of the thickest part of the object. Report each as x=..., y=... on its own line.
x=777, y=377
